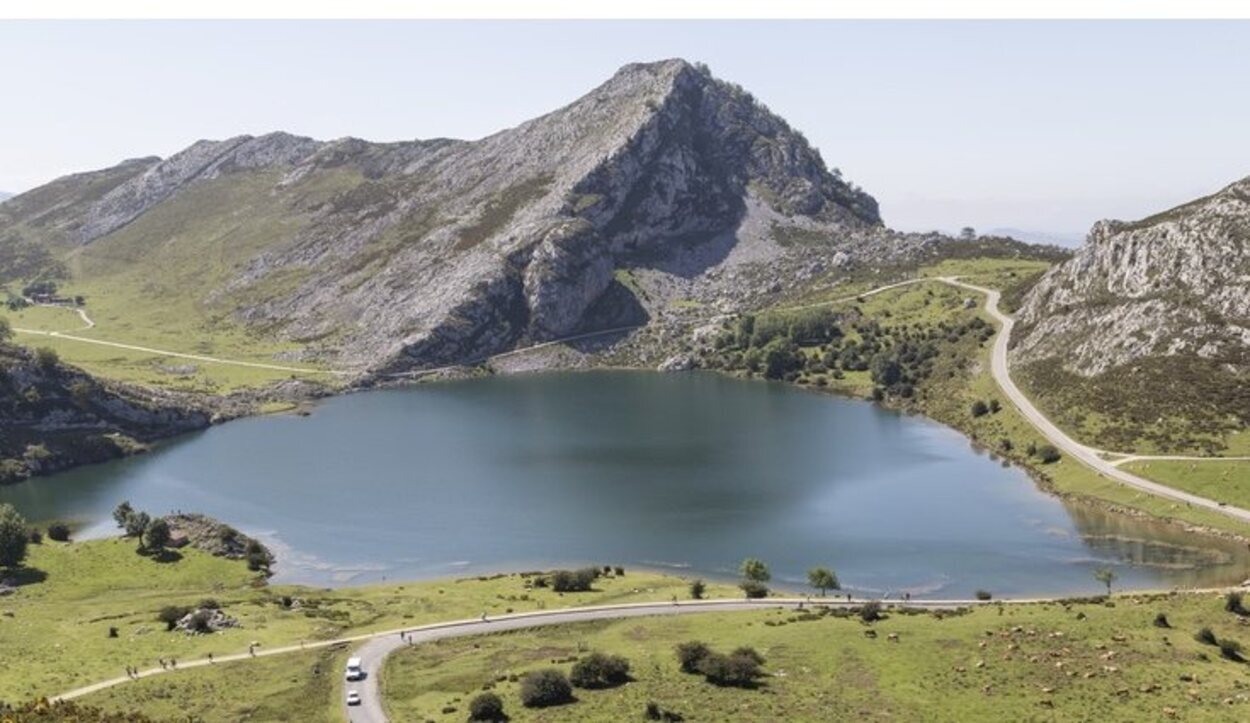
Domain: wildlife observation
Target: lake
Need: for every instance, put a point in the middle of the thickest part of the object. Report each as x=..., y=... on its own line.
x=686, y=472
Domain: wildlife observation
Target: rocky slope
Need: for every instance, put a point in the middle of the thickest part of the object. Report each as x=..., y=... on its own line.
x=1177, y=283
x=662, y=185
x=1142, y=340
x=53, y=416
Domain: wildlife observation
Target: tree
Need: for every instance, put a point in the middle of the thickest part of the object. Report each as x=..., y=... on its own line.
x=1106, y=576
x=543, y=688
x=1048, y=454
x=738, y=669
x=573, y=581
x=870, y=611
x=137, y=524
x=6, y=330
x=156, y=537
x=14, y=536
x=486, y=707
x=121, y=513
x=885, y=370
x=979, y=409
x=58, y=531
x=598, y=670
x=823, y=579
x=755, y=570
x=697, y=588
x=46, y=358
x=967, y=233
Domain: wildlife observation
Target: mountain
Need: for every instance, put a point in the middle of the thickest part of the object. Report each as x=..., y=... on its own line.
x=1152, y=317
x=5, y=195
x=1045, y=238
x=393, y=255
x=53, y=416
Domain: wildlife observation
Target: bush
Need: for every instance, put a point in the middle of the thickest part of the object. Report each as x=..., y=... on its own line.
x=979, y=409
x=486, y=707
x=1205, y=635
x=171, y=614
x=209, y=603
x=36, y=537
x=46, y=358
x=600, y=671
x=739, y=669
x=14, y=536
x=697, y=589
x=1233, y=603
x=543, y=688
x=691, y=654
x=754, y=589
x=618, y=570
x=995, y=407
x=1230, y=649
x=984, y=595
x=1161, y=621
x=573, y=581
x=58, y=531
x=1048, y=454
x=870, y=611
x=199, y=622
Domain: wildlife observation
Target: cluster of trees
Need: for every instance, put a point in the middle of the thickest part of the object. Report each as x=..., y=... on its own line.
x=739, y=669
x=788, y=345
x=153, y=535
x=755, y=576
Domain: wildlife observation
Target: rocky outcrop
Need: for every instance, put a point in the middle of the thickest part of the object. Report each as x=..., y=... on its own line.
x=53, y=416
x=1174, y=284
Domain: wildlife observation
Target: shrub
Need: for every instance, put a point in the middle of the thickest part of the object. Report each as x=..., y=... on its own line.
x=573, y=581
x=618, y=570
x=1205, y=635
x=1230, y=649
x=543, y=688
x=697, y=589
x=36, y=537
x=14, y=536
x=979, y=409
x=486, y=707
x=870, y=611
x=739, y=669
x=1161, y=621
x=984, y=595
x=754, y=589
x=58, y=531
x=209, y=603
x=1048, y=454
x=199, y=622
x=691, y=654
x=1233, y=603
x=995, y=407
x=46, y=358
x=600, y=671
x=257, y=561
x=171, y=614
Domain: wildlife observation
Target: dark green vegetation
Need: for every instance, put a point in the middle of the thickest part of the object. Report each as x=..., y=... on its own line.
x=1144, y=406
x=42, y=711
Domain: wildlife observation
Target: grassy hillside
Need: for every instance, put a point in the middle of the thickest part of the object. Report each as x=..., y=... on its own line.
x=1083, y=661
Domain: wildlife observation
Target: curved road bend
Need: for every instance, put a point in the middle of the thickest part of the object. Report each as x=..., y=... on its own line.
x=1086, y=455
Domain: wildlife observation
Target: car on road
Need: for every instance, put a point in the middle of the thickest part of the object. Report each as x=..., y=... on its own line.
x=353, y=697
x=355, y=671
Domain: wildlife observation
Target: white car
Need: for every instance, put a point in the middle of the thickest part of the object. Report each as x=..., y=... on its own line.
x=353, y=697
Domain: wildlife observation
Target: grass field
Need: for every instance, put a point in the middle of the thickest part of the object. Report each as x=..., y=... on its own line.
x=55, y=630
x=1039, y=662
x=1223, y=481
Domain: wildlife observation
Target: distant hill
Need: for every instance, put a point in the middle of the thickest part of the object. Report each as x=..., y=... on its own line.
x=1048, y=238
x=5, y=195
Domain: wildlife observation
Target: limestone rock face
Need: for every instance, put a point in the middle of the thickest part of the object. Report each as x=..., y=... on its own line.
x=1177, y=283
x=390, y=256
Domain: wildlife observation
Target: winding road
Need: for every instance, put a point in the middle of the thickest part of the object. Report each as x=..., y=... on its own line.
x=1088, y=456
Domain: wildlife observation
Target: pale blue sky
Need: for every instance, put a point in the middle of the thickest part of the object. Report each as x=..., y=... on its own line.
x=1037, y=125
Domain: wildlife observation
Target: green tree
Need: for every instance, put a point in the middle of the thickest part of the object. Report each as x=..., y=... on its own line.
x=156, y=537
x=755, y=570
x=599, y=670
x=543, y=688
x=6, y=330
x=14, y=536
x=697, y=589
x=979, y=409
x=1106, y=576
x=823, y=579
x=47, y=358
x=121, y=513
x=137, y=524
x=1048, y=454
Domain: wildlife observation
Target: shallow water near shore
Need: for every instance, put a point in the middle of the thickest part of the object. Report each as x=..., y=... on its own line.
x=687, y=472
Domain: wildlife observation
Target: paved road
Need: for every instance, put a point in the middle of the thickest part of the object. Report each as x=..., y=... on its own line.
x=1086, y=455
